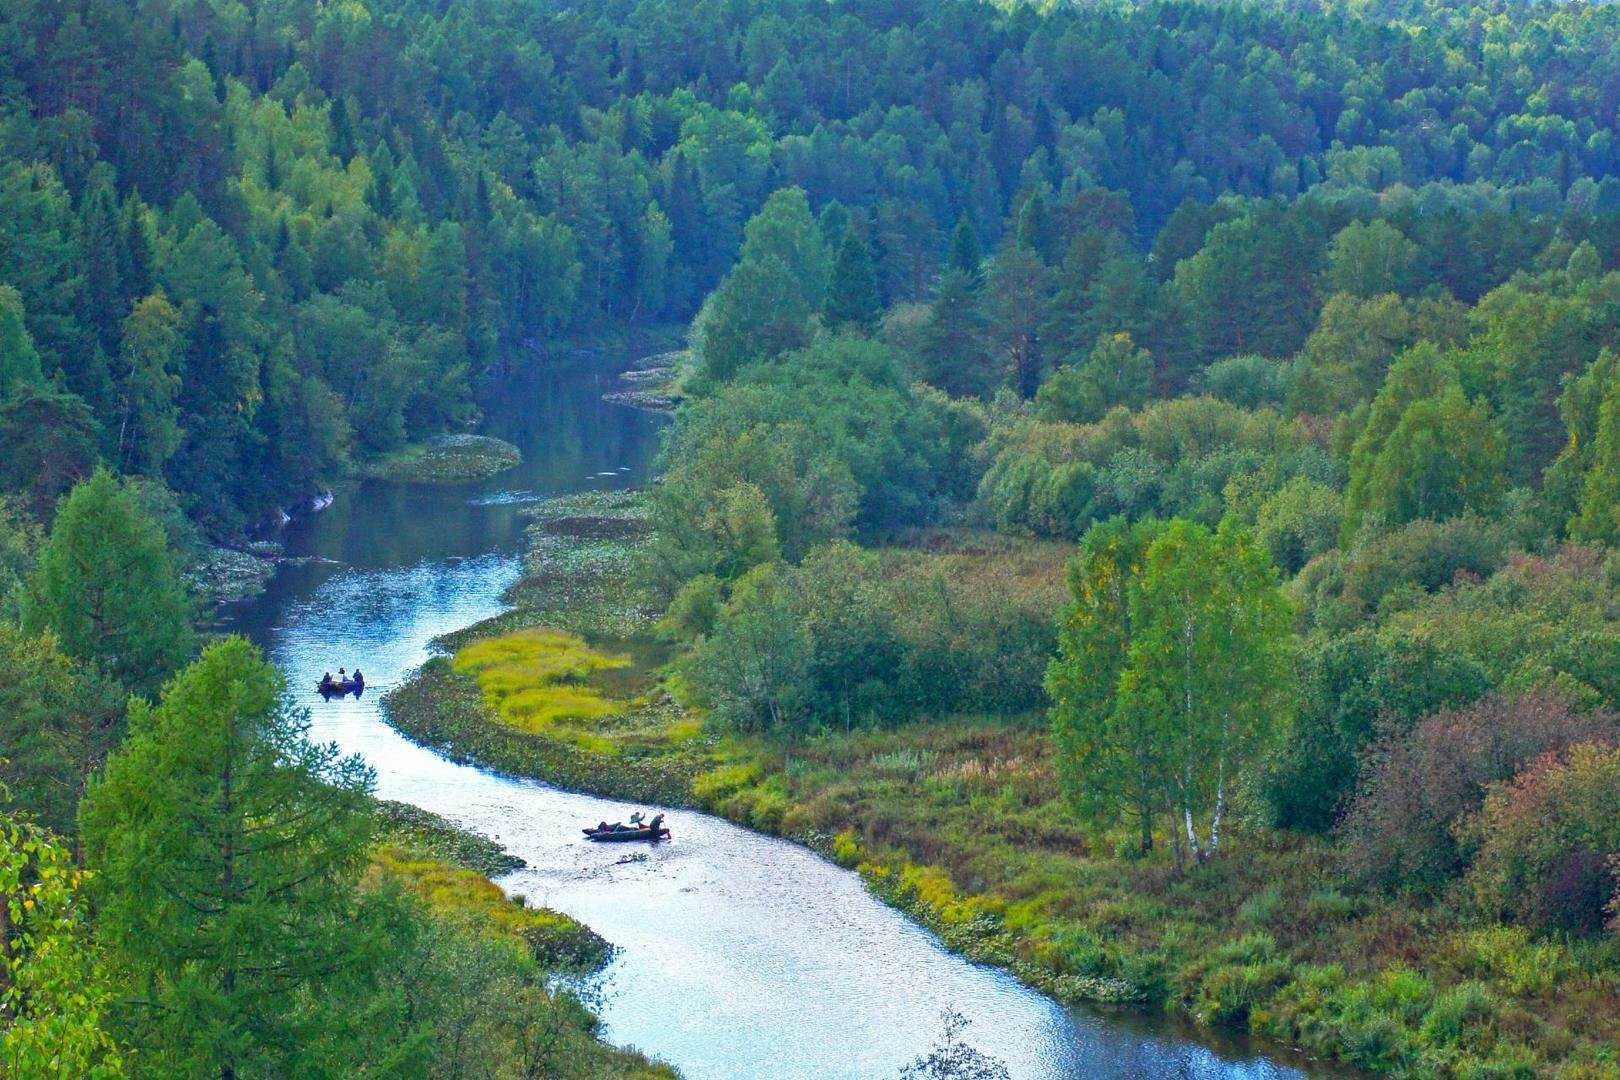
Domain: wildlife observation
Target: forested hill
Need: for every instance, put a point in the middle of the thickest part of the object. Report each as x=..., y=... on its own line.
x=242, y=245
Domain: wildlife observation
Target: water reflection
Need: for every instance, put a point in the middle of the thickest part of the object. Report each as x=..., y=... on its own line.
x=739, y=956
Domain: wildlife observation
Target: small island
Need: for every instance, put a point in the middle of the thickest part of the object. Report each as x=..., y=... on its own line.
x=448, y=459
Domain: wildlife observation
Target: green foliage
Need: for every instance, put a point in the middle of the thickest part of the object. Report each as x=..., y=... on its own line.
x=763, y=307
x=48, y=442
x=19, y=360
x=1445, y=457
x=1298, y=522
x=1170, y=458
x=1249, y=382
x=1349, y=686
x=148, y=378
x=1252, y=287
x=227, y=849
x=751, y=671
x=56, y=997
x=1599, y=517
x=828, y=440
x=1425, y=450
x=1115, y=374
x=1368, y=259
x=1108, y=759
x=1172, y=674
x=58, y=721
x=107, y=587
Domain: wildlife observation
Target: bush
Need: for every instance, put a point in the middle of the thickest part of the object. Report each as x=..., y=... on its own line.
x=1425, y=554
x=1246, y=381
x=1417, y=786
x=1350, y=685
x=1546, y=840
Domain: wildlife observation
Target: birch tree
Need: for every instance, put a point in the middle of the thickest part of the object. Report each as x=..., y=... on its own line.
x=1108, y=758
x=1207, y=670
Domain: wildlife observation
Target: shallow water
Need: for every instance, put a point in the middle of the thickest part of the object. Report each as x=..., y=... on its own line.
x=738, y=955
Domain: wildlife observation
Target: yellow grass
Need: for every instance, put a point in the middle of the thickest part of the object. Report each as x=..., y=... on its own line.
x=539, y=681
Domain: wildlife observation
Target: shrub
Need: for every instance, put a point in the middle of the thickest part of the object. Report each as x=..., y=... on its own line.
x=1416, y=786
x=1350, y=685
x=1425, y=554
x=1546, y=839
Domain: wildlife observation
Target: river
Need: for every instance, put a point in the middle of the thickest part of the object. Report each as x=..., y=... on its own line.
x=738, y=955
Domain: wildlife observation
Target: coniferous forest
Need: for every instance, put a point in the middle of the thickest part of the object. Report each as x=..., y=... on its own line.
x=1143, y=490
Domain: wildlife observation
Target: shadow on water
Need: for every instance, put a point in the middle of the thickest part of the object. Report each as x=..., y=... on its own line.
x=739, y=955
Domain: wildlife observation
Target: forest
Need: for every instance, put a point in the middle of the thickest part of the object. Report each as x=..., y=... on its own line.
x=1183, y=434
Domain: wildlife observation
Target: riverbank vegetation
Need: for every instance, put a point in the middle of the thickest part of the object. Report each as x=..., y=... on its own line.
x=1308, y=722
x=447, y=459
x=193, y=886
x=1290, y=330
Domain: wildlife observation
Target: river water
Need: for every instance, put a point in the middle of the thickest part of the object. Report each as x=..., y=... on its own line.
x=738, y=955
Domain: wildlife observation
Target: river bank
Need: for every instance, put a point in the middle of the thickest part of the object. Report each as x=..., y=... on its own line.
x=449, y=870
x=959, y=824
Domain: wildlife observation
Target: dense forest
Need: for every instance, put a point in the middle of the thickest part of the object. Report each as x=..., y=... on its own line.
x=1294, y=326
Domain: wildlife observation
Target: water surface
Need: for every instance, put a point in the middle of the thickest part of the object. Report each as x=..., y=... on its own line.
x=738, y=955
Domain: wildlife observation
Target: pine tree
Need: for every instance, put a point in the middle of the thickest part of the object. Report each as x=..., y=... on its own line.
x=853, y=298
x=227, y=848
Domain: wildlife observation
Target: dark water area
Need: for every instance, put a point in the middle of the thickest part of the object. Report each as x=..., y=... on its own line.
x=738, y=955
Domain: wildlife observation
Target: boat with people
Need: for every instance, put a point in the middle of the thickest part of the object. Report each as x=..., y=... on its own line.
x=637, y=829
x=345, y=683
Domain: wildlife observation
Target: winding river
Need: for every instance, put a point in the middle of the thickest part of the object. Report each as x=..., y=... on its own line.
x=738, y=955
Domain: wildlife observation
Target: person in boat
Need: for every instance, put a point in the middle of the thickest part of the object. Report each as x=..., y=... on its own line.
x=635, y=820
x=326, y=683
x=657, y=824
x=359, y=679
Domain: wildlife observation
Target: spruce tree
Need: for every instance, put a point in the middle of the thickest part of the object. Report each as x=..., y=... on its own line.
x=965, y=255
x=853, y=299
x=954, y=352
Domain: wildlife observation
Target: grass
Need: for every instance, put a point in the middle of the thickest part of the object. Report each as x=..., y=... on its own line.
x=448, y=459
x=538, y=681
x=429, y=835
x=959, y=824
